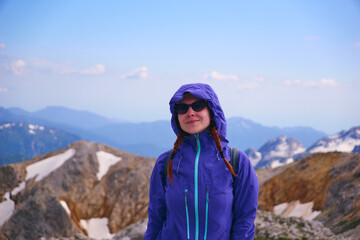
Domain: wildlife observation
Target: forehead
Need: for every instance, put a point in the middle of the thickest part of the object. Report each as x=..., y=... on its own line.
x=188, y=97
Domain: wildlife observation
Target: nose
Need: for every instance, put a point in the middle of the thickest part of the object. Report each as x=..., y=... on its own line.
x=190, y=111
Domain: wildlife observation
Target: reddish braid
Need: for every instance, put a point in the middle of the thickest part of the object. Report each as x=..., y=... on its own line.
x=177, y=143
x=215, y=135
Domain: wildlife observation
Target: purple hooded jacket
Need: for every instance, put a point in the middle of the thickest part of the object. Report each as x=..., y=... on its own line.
x=204, y=202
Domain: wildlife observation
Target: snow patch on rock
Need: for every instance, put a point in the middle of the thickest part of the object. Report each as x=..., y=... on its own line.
x=6, y=209
x=65, y=206
x=106, y=160
x=296, y=209
x=97, y=228
x=18, y=188
x=41, y=169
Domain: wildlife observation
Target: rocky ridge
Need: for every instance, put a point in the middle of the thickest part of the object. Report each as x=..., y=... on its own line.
x=95, y=184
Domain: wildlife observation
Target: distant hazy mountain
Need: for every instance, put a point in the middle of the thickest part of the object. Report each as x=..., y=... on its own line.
x=131, y=135
x=246, y=133
x=20, y=141
x=19, y=111
x=76, y=118
x=150, y=138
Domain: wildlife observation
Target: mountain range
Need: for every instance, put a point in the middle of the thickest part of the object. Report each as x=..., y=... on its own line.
x=92, y=191
x=21, y=141
x=148, y=138
x=283, y=150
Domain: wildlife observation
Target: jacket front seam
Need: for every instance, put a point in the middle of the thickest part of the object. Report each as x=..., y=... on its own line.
x=196, y=174
x=207, y=213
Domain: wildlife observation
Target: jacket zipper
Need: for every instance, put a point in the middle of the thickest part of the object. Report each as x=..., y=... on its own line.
x=187, y=215
x=207, y=212
x=197, y=188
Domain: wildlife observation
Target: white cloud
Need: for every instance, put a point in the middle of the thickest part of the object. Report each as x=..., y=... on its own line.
x=38, y=66
x=18, y=67
x=254, y=83
x=311, y=38
x=325, y=82
x=3, y=90
x=329, y=82
x=97, y=69
x=141, y=73
x=234, y=80
x=221, y=77
x=2, y=45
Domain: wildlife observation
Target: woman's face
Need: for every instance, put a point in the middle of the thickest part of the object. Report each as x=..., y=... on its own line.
x=193, y=122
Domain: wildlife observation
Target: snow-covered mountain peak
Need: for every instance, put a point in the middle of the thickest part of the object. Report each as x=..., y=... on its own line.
x=253, y=155
x=7, y=125
x=276, y=152
x=282, y=147
x=344, y=141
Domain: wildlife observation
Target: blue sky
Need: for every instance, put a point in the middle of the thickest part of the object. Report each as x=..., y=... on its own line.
x=279, y=63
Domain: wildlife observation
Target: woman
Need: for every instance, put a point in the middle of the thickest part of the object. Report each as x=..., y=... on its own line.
x=199, y=198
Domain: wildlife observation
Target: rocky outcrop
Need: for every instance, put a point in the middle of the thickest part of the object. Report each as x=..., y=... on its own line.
x=330, y=180
x=270, y=226
x=267, y=226
x=94, y=181
x=133, y=232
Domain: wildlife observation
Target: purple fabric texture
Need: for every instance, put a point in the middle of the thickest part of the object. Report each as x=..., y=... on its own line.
x=225, y=208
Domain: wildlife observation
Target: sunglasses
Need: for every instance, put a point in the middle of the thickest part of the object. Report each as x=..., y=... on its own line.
x=197, y=106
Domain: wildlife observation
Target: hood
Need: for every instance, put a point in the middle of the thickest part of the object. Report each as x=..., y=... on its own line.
x=201, y=91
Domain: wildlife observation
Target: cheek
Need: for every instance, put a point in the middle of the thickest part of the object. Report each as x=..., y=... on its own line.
x=206, y=117
x=180, y=118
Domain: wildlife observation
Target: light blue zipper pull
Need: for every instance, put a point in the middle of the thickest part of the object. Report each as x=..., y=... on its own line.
x=207, y=213
x=187, y=215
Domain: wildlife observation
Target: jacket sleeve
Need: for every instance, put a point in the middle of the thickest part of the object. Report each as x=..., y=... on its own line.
x=246, y=191
x=157, y=204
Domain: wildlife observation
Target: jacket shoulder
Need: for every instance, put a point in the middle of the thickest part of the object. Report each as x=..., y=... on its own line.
x=161, y=160
x=160, y=164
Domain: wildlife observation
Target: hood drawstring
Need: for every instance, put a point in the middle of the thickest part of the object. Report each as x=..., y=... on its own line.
x=177, y=170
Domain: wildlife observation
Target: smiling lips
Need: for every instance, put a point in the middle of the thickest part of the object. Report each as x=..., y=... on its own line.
x=192, y=122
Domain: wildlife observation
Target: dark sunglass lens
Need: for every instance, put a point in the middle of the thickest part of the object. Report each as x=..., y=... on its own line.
x=181, y=108
x=198, y=105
